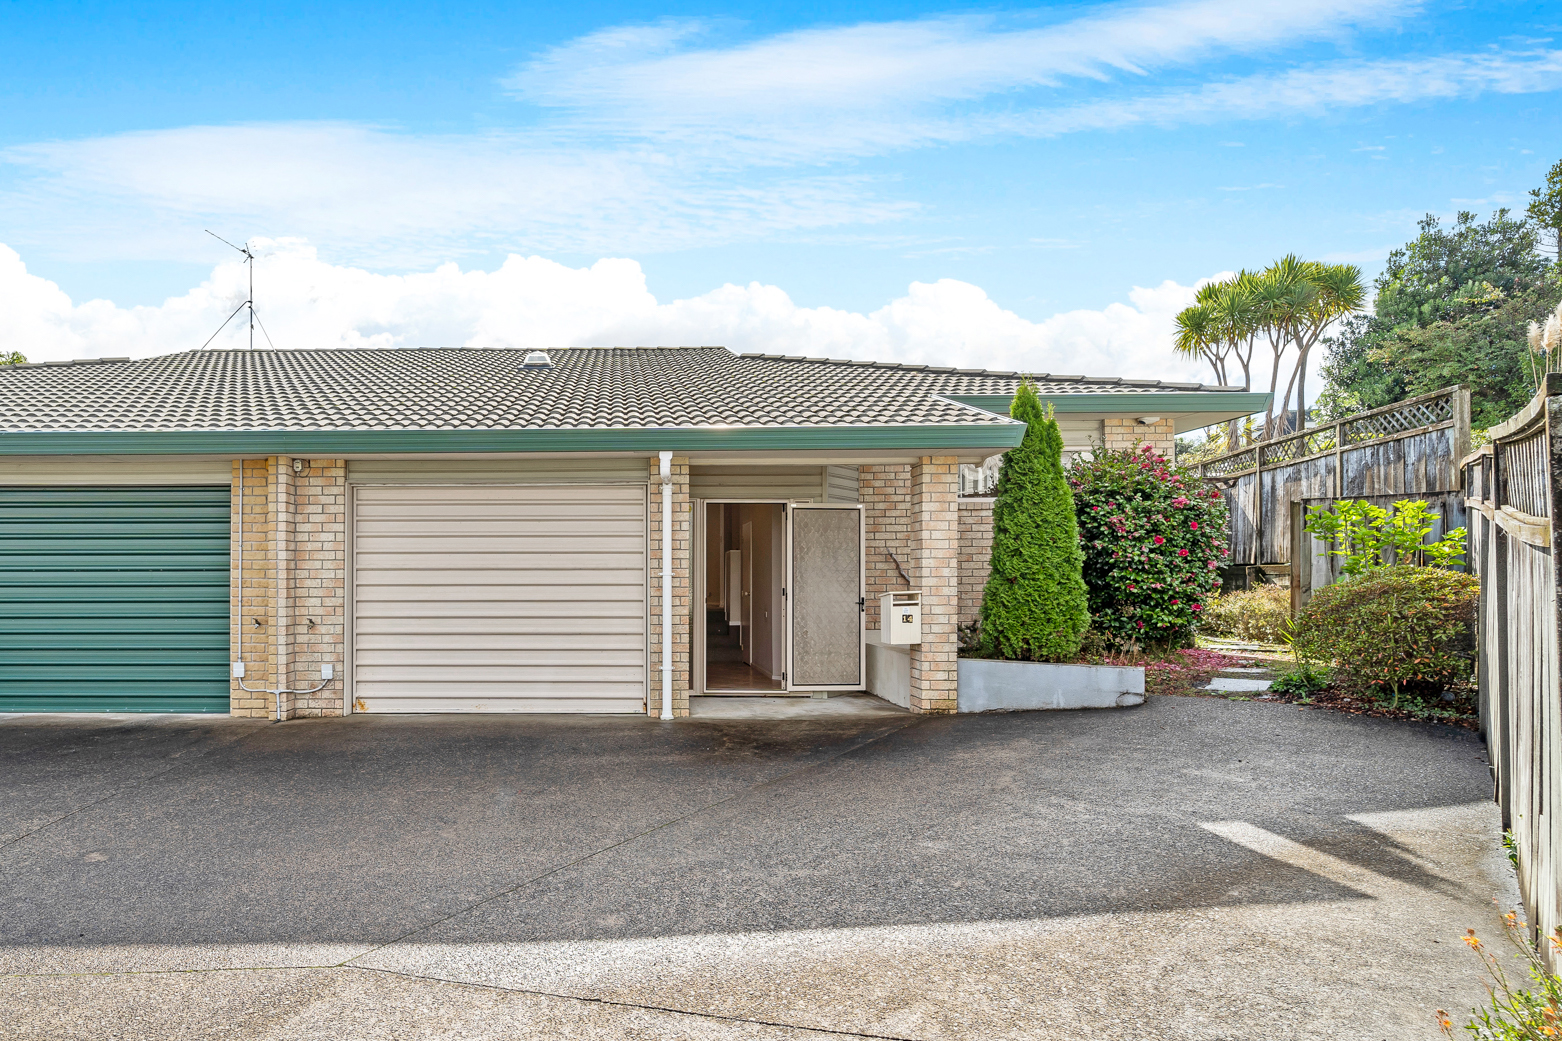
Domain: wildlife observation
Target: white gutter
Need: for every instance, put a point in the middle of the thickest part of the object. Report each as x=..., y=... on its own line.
x=667, y=583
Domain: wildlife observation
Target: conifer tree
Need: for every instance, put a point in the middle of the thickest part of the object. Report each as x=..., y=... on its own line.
x=1034, y=604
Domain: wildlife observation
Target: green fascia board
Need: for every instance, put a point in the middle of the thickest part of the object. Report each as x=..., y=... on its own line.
x=1151, y=403
x=641, y=439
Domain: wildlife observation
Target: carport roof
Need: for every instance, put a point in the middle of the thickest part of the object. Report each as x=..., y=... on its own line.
x=490, y=389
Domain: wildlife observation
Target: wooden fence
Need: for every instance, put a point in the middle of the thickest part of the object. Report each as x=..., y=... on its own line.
x=1411, y=448
x=1513, y=485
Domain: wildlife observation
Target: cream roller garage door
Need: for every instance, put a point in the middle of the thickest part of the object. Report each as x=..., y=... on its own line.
x=499, y=598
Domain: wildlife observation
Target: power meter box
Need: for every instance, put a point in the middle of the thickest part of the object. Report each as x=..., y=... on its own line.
x=900, y=617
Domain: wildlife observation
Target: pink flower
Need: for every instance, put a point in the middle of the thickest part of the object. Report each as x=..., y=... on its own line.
x=1182, y=552
x=1130, y=585
x=1159, y=540
x=1213, y=565
x=1176, y=602
x=1198, y=607
x=1194, y=525
x=1139, y=624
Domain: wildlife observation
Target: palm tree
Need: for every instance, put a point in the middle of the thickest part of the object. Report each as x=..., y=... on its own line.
x=1280, y=293
x=1199, y=337
x=1337, y=292
x=1220, y=326
x=1236, y=316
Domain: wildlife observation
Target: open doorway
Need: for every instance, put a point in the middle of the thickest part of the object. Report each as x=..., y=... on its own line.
x=745, y=609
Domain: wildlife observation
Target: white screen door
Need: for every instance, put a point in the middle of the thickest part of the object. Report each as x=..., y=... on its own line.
x=826, y=584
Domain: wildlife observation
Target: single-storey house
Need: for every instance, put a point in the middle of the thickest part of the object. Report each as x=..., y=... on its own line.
x=310, y=533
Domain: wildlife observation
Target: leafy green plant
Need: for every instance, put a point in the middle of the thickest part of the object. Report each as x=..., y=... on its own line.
x=1034, y=603
x=1261, y=614
x=1304, y=680
x=1396, y=631
x=1370, y=537
x=1513, y=1013
x=1510, y=842
x=1153, y=536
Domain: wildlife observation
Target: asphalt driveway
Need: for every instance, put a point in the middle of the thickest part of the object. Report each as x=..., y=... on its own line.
x=1189, y=869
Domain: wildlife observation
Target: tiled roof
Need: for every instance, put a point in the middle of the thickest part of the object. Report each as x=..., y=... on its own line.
x=486, y=389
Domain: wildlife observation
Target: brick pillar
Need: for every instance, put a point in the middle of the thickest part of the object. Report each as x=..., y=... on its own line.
x=935, y=531
x=682, y=543
x=288, y=598
x=319, y=584
x=254, y=571
x=1119, y=432
x=885, y=491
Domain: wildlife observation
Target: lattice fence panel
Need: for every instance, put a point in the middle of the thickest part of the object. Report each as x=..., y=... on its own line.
x=1230, y=464
x=1411, y=417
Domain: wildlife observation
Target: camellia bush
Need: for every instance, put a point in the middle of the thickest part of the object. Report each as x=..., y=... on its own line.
x=1154, y=536
x=1397, y=631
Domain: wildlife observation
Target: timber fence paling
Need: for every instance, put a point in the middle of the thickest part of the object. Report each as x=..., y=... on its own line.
x=1409, y=449
x=1514, y=493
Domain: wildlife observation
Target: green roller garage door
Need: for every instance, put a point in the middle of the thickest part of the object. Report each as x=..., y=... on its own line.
x=114, y=599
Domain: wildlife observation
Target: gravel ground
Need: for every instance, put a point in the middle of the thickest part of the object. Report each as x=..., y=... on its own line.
x=1193, y=868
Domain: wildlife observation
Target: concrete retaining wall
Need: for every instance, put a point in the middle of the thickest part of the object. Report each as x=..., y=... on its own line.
x=987, y=685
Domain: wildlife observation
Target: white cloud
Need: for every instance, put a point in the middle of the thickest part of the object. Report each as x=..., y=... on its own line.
x=531, y=302
x=1313, y=90
x=658, y=78
x=391, y=199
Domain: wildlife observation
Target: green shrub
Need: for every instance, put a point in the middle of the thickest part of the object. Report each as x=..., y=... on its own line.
x=1033, y=606
x=1261, y=614
x=1398, y=631
x=1153, y=536
x=1303, y=680
x=1370, y=537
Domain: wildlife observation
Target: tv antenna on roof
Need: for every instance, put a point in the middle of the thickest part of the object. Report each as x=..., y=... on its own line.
x=249, y=259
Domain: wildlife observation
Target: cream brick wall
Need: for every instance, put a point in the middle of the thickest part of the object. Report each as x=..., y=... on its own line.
x=682, y=543
x=885, y=490
x=288, y=603
x=976, y=547
x=1121, y=432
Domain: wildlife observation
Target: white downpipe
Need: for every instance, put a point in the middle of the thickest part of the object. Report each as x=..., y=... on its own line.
x=667, y=583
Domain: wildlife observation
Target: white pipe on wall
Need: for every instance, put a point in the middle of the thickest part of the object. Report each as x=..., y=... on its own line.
x=666, y=459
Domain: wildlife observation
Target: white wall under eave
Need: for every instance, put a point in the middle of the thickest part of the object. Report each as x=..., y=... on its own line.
x=114, y=469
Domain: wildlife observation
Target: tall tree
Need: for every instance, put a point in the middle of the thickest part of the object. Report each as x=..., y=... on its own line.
x=1280, y=293
x=1334, y=291
x=1220, y=327
x=1034, y=604
x=1545, y=207
x=1445, y=276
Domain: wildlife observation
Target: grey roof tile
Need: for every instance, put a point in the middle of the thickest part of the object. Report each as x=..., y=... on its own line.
x=476, y=389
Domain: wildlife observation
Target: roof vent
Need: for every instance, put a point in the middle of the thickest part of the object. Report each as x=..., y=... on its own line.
x=537, y=360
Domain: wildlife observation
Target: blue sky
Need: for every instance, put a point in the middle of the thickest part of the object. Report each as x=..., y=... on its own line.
x=1054, y=156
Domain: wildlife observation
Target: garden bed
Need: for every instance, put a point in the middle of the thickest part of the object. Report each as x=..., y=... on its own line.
x=1187, y=673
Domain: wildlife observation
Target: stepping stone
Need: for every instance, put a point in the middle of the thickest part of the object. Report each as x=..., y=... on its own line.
x=1235, y=685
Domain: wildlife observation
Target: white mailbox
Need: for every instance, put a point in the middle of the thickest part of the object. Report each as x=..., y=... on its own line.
x=900, y=617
